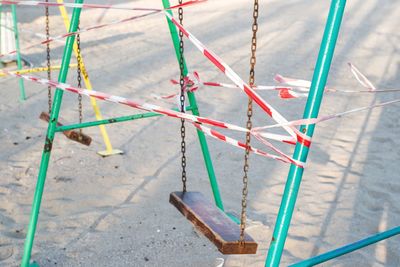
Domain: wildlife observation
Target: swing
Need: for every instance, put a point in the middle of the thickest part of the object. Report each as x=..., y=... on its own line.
x=213, y=223
x=74, y=135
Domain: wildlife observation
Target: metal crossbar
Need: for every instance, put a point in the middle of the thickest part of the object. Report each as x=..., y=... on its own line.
x=111, y=120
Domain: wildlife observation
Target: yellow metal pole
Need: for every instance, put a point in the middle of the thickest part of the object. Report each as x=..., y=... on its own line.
x=109, y=149
x=39, y=69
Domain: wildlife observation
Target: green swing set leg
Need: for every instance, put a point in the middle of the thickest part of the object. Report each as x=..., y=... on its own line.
x=51, y=130
x=348, y=248
x=195, y=111
x=311, y=111
x=19, y=60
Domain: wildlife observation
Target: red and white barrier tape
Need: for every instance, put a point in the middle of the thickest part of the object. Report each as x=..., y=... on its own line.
x=131, y=103
x=196, y=120
x=192, y=84
x=146, y=107
x=283, y=155
x=297, y=88
x=96, y=6
x=294, y=88
x=361, y=78
x=233, y=142
x=99, y=26
x=272, y=112
x=325, y=118
x=59, y=37
x=304, y=85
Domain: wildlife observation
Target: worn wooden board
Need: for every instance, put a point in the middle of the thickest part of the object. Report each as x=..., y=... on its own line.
x=71, y=134
x=212, y=222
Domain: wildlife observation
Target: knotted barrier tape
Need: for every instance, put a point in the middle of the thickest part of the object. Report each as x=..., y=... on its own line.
x=197, y=121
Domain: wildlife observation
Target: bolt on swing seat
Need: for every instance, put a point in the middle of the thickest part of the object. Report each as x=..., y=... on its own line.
x=73, y=135
x=213, y=223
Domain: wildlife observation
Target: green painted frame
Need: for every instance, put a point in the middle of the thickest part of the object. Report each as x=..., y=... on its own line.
x=295, y=173
x=53, y=129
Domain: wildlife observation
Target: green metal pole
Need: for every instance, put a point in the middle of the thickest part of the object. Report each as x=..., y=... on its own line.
x=195, y=111
x=311, y=111
x=49, y=139
x=348, y=248
x=19, y=60
x=106, y=121
x=109, y=121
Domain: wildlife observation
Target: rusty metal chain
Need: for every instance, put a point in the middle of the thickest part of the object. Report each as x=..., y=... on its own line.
x=249, y=124
x=182, y=99
x=48, y=56
x=79, y=77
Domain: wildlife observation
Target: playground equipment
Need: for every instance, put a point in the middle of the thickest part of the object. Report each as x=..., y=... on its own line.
x=226, y=235
x=52, y=129
x=88, y=85
x=194, y=200
x=73, y=135
x=77, y=136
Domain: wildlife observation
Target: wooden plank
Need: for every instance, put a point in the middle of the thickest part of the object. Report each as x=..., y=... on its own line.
x=212, y=222
x=71, y=134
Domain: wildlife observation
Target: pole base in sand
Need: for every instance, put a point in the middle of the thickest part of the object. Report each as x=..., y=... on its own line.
x=106, y=153
x=34, y=264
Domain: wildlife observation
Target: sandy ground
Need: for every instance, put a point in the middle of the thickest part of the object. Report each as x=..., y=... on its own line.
x=115, y=212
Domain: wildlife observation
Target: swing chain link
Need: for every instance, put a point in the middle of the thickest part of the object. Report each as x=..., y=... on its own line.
x=79, y=77
x=249, y=124
x=182, y=99
x=48, y=56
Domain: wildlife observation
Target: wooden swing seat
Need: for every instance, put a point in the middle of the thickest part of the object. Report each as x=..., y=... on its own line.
x=212, y=222
x=70, y=134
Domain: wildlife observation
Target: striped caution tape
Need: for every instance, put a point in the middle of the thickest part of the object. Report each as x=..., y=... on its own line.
x=283, y=158
x=93, y=6
x=192, y=83
x=294, y=88
x=196, y=120
x=145, y=106
x=361, y=78
x=325, y=118
x=199, y=121
x=193, y=80
x=39, y=69
x=98, y=26
x=304, y=86
x=190, y=86
x=224, y=68
x=60, y=37
x=121, y=100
